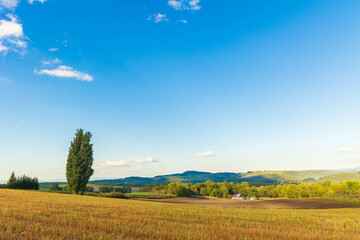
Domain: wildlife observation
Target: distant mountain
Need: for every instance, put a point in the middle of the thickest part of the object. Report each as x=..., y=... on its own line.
x=186, y=177
x=252, y=177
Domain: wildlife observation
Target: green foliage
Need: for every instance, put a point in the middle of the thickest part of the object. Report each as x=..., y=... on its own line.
x=114, y=195
x=106, y=189
x=308, y=180
x=22, y=182
x=152, y=187
x=179, y=189
x=126, y=188
x=11, y=184
x=225, y=189
x=55, y=187
x=79, y=162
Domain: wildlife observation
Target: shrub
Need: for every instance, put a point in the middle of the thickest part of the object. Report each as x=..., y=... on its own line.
x=114, y=195
x=55, y=187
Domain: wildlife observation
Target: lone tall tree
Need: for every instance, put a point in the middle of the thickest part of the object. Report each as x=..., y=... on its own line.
x=79, y=162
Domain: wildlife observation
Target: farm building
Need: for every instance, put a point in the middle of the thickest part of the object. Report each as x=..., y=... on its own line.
x=237, y=197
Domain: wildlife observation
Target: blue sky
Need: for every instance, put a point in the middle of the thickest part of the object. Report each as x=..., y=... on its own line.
x=169, y=86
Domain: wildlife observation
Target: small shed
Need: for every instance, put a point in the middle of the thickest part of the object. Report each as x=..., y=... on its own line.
x=236, y=197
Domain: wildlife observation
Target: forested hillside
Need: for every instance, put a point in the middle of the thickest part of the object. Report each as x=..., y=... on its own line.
x=193, y=177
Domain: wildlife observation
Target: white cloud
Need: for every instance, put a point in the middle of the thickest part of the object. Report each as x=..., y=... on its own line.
x=9, y=4
x=32, y=1
x=182, y=21
x=350, y=149
x=19, y=43
x=11, y=32
x=65, y=71
x=3, y=48
x=178, y=5
x=53, y=49
x=205, y=154
x=156, y=18
x=51, y=61
x=194, y=5
x=184, y=4
x=11, y=35
x=125, y=162
x=10, y=28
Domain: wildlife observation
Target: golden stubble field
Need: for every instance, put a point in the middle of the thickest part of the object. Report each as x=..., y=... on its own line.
x=38, y=215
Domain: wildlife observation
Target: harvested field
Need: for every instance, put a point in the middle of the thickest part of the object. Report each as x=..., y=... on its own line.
x=260, y=204
x=39, y=215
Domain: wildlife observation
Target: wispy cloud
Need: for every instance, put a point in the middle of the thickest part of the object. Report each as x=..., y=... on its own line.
x=185, y=4
x=32, y=1
x=3, y=48
x=194, y=5
x=350, y=149
x=12, y=4
x=125, y=162
x=9, y=4
x=51, y=61
x=4, y=79
x=53, y=49
x=205, y=154
x=11, y=35
x=182, y=21
x=66, y=72
x=157, y=18
x=176, y=4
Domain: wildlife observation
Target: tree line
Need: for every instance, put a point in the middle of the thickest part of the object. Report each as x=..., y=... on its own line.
x=227, y=189
x=126, y=188
x=22, y=182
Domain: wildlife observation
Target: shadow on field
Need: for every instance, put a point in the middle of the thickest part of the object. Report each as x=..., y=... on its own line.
x=259, y=204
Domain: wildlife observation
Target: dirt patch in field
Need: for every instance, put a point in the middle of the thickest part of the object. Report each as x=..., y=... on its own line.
x=259, y=204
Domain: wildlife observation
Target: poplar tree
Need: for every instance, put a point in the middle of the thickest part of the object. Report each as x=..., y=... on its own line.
x=79, y=162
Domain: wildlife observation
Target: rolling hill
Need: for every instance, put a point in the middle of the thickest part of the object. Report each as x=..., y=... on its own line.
x=252, y=177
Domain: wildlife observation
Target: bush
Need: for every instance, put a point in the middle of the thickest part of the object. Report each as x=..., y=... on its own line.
x=114, y=195
x=121, y=189
x=55, y=187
